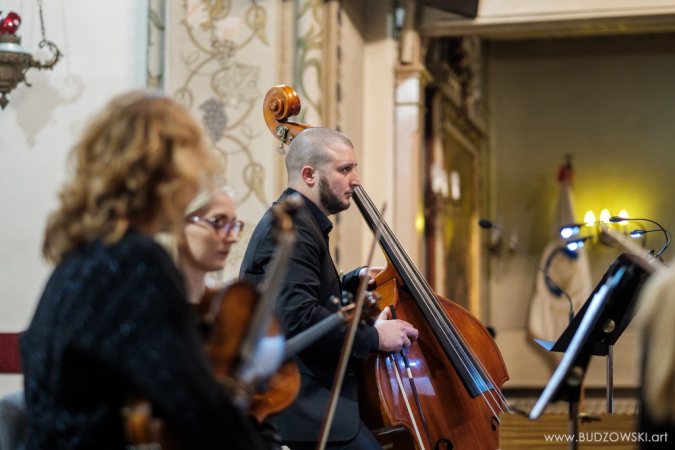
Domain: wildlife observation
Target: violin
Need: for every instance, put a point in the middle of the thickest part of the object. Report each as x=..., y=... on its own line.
x=281, y=388
x=455, y=358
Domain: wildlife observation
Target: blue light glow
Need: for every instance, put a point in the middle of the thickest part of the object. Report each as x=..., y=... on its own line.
x=568, y=232
x=574, y=246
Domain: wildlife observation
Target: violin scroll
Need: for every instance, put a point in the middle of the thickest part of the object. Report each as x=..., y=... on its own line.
x=371, y=307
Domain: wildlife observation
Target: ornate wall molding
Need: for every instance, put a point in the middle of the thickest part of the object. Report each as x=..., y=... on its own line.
x=457, y=67
x=457, y=124
x=517, y=19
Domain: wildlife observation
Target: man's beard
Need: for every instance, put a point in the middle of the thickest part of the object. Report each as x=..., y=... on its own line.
x=329, y=200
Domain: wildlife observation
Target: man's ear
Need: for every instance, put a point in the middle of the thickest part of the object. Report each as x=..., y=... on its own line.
x=308, y=175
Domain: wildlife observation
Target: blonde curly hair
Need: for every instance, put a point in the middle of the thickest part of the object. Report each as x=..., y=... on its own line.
x=139, y=162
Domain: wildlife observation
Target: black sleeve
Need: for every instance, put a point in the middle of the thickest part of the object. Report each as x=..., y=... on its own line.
x=156, y=347
x=299, y=306
x=350, y=281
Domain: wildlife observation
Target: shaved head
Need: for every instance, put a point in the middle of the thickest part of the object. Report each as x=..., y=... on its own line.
x=311, y=148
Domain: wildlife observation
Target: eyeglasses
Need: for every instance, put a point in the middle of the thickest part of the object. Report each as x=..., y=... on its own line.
x=221, y=225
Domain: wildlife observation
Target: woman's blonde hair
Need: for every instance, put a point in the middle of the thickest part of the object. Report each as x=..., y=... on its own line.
x=139, y=162
x=205, y=196
x=657, y=315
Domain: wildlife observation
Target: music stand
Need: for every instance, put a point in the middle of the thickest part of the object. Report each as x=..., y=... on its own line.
x=593, y=331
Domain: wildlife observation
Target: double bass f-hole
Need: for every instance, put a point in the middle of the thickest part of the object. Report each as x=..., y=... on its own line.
x=443, y=444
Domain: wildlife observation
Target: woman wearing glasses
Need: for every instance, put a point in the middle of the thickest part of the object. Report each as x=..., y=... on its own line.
x=211, y=227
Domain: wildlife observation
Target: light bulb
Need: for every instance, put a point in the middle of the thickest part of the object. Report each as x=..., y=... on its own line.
x=624, y=215
x=454, y=185
x=575, y=245
x=605, y=215
x=589, y=218
x=568, y=232
x=419, y=222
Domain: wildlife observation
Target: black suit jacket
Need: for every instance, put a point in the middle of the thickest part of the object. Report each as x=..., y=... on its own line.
x=311, y=280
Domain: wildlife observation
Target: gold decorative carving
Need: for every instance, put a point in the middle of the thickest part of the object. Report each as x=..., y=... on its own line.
x=458, y=118
x=458, y=136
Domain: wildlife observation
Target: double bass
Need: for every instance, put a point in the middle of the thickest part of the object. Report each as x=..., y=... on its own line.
x=452, y=398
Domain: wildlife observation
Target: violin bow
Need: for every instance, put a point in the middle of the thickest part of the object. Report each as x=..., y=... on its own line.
x=349, y=343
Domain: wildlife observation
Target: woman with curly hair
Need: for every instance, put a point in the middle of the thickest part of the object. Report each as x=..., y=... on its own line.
x=113, y=320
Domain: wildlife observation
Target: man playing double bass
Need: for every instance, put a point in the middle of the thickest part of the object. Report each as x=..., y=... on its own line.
x=321, y=166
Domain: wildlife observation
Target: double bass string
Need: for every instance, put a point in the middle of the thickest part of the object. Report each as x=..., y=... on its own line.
x=500, y=394
x=474, y=368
